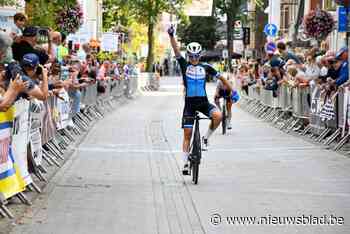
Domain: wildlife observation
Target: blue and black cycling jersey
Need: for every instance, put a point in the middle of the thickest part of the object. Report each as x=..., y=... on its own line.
x=194, y=78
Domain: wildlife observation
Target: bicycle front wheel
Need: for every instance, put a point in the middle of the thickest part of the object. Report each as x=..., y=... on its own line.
x=195, y=172
x=223, y=122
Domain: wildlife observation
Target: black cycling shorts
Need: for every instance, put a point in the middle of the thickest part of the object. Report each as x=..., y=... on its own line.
x=191, y=106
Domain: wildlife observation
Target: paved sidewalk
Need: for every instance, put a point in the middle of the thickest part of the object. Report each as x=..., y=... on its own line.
x=125, y=178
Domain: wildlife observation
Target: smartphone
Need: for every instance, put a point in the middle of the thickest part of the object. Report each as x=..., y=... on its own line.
x=39, y=71
x=64, y=73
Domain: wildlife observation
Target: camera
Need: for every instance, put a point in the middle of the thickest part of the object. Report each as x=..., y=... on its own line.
x=64, y=74
x=43, y=31
x=12, y=70
x=39, y=71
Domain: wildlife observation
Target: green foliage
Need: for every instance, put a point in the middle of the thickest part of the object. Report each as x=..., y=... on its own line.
x=8, y=3
x=104, y=55
x=116, y=11
x=200, y=29
x=43, y=12
x=143, y=11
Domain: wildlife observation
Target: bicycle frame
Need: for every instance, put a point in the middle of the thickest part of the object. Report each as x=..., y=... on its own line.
x=194, y=132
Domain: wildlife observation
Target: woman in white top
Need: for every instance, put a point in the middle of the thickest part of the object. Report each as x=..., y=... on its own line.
x=312, y=69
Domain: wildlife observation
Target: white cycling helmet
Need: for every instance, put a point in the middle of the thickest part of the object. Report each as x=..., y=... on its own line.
x=194, y=48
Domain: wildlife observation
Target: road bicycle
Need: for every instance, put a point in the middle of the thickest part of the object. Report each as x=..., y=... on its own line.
x=195, y=149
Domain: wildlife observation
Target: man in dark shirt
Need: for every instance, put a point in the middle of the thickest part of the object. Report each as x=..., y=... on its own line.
x=285, y=54
x=343, y=75
x=26, y=45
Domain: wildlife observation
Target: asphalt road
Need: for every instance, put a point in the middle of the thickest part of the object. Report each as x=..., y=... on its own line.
x=125, y=178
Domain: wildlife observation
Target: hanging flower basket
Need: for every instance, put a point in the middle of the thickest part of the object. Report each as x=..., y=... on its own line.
x=318, y=24
x=70, y=19
x=343, y=2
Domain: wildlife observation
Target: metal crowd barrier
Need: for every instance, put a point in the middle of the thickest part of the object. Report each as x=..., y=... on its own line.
x=284, y=97
x=300, y=109
x=51, y=131
x=149, y=81
x=300, y=102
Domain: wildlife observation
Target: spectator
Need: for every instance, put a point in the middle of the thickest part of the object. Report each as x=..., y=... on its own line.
x=89, y=67
x=5, y=45
x=275, y=76
x=331, y=66
x=127, y=70
x=323, y=48
x=74, y=88
x=312, y=70
x=62, y=49
x=166, y=67
x=11, y=90
x=27, y=44
x=285, y=54
x=243, y=77
x=264, y=74
x=291, y=76
x=20, y=21
x=38, y=74
x=56, y=42
x=103, y=71
x=342, y=58
x=117, y=71
x=84, y=50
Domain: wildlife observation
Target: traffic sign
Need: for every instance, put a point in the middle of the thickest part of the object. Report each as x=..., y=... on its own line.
x=270, y=47
x=343, y=19
x=270, y=30
x=238, y=34
x=225, y=54
x=246, y=36
x=237, y=30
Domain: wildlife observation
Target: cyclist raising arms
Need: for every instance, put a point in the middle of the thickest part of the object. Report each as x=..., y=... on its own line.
x=194, y=79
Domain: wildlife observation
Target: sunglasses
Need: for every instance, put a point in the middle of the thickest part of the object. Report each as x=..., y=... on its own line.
x=194, y=56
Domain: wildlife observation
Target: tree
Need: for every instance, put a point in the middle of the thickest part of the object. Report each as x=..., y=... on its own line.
x=232, y=10
x=200, y=29
x=146, y=12
x=116, y=12
x=149, y=11
x=8, y=2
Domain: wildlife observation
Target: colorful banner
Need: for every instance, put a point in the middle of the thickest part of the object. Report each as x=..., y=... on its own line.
x=48, y=129
x=346, y=111
x=11, y=181
x=20, y=138
x=63, y=107
x=109, y=42
x=35, y=133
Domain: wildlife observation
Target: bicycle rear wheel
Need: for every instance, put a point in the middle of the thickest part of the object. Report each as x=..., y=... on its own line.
x=223, y=122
